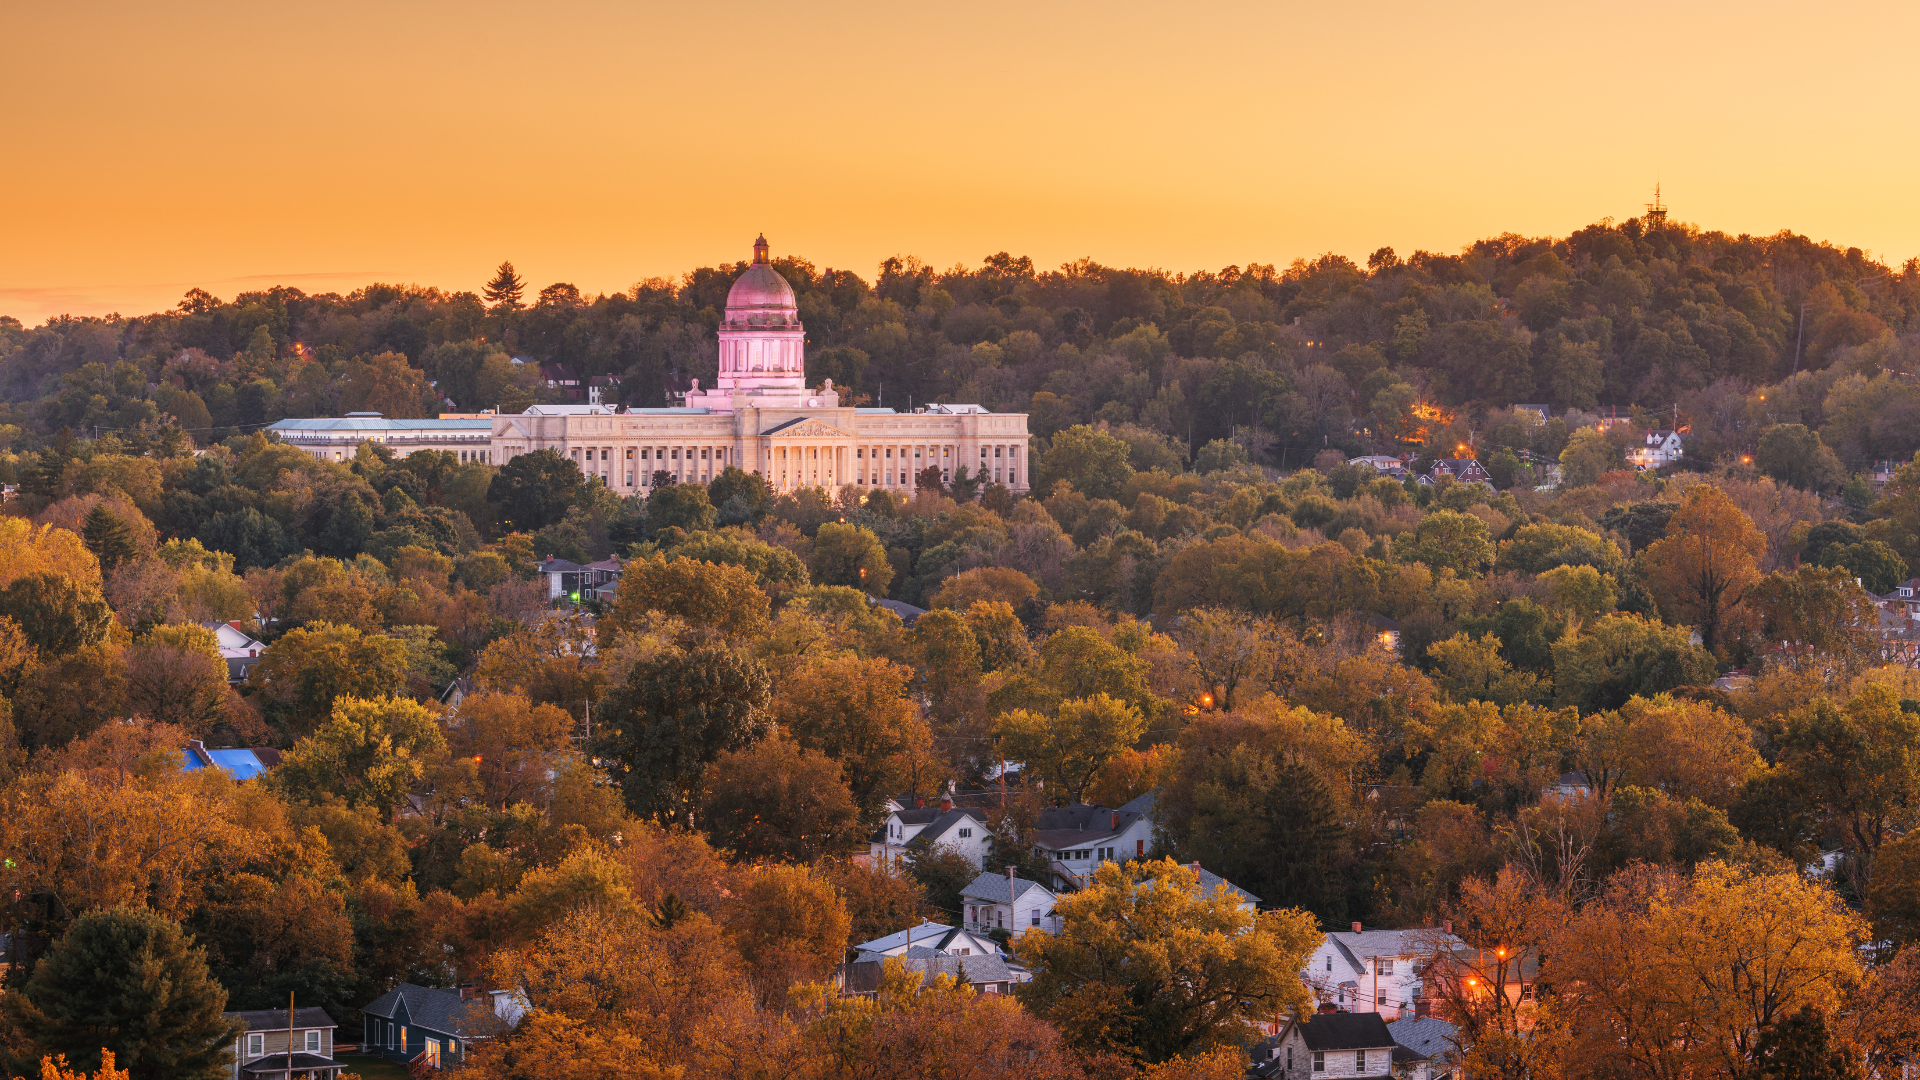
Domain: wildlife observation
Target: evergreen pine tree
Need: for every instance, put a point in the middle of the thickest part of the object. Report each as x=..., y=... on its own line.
x=106, y=536
x=1304, y=842
x=1799, y=1047
x=505, y=289
x=127, y=980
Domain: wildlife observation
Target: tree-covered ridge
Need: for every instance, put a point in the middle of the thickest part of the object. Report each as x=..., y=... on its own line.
x=1724, y=335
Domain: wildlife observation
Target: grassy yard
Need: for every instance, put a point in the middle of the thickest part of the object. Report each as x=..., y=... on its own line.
x=372, y=1068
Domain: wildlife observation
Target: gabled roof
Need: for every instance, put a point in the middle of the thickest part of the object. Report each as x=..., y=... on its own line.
x=907, y=612
x=444, y=1011
x=923, y=933
x=1371, y=943
x=1073, y=826
x=994, y=889
x=1211, y=883
x=1345, y=1031
x=1141, y=804
x=272, y=1019
x=945, y=822
x=559, y=566
x=1426, y=1036
x=863, y=976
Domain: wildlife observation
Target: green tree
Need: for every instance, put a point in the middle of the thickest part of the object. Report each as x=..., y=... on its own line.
x=1589, y=455
x=1799, y=1047
x=737, y=483
x=370, y=752
x=850, y=555
x=1858, y=761
x=304, y=672
x=505, y=289
x=58, y=614
x=675, y=715
x=1794, y=454
x=680, y=506
x=1820, y=608
x=1446, y=539
x=1619, y=656
x=1877, y=565
x=1096, y=463
x=1149, y=968
x=1068, y=748
x=127, y=980
x=535, y=490
x=106, y=536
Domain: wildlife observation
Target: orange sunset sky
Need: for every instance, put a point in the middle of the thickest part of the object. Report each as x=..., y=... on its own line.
x=151, y=148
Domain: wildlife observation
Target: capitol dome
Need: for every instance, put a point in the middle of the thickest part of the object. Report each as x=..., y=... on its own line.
x=761, y=295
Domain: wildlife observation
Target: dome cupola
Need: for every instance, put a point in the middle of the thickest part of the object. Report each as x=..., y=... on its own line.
x=761, y=297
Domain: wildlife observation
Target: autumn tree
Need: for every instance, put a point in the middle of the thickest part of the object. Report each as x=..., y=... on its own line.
x=129, y=981
x=1226, y=648
x=59, y=614
x=990, y=584
x=1147, y=967
x=850, y=555
x=855, y=711
x=306, y=670
x=1704, y=565
x=1824, y=610
x=369, y=752
x=719, y=596
x=1068, y=748
x=674, y=716
x=177, y=676
x=512, y=741
x=1621, y=655
x=792, y=926
x=777, y=800
x=1858, y=762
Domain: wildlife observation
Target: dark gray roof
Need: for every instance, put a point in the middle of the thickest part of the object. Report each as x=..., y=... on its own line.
x=926, y=931
x=1211, y=883
x=271, y=1019
x=933, y=832
x=907, y=612
x=1346, y=1031
x=994, y=889
x=1141, y=804
x=1072, y=826
x=559, y=566
x=438, y=1010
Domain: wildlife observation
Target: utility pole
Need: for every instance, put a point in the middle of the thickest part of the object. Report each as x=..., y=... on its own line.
x=1800, y=337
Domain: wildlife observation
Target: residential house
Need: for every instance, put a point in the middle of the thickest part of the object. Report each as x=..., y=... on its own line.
x=1883, y=472
x=1369, y=971
x=242, y=763
x=240, y=649
x=1076, y=839
x=1008, y=902
x=1544, y=412
x=1385, y=464
x=1430, y=1039
x=1386, y=632
x=1609, y=417
x=439, y=1027
x=1464, y=470
x=1657, y=448
x=942, y=939
x=565, y=579
x=988, y=974
x=600, y=579
x=1907, y=595
x=289, y=1045
x=962, y=829
x=1571, y=785
x=1337, y=1044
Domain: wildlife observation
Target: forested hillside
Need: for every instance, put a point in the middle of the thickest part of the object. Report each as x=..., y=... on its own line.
x=1722, y=334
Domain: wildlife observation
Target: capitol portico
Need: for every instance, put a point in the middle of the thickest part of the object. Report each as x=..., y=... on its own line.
x=763, y=417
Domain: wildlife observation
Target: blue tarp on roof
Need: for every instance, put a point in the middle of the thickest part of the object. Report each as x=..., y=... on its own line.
x=241, y=764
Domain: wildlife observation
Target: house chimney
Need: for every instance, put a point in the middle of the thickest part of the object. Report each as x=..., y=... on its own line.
x=1447, y=926
x=1195, y=867
x=918, y=802
x=1328, y=1008
x=1114, y=821
x=946, y=803
x=1356, y=928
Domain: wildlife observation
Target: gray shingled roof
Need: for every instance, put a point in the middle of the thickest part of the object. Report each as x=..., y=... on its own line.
x=272, y=1019
x=1428, y=1036
x=1346, y=1031
x=438, y=1010
x=923, y=932
x=993, y=889
x=863, y=976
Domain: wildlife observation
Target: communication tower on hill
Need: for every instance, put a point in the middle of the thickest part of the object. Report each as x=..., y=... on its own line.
x=1656, y=212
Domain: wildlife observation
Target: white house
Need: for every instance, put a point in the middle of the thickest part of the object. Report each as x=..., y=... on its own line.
x=238, y=648
x=1076, y=839
x=943, y=940
x=1010, y=903
x=986, y=974
x=1212, y=883
x=1337, y=1044
x=1372, y=971
x=1656, y=448
x=962, y=829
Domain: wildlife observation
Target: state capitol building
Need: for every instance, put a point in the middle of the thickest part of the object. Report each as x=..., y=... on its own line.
x=760, y=415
